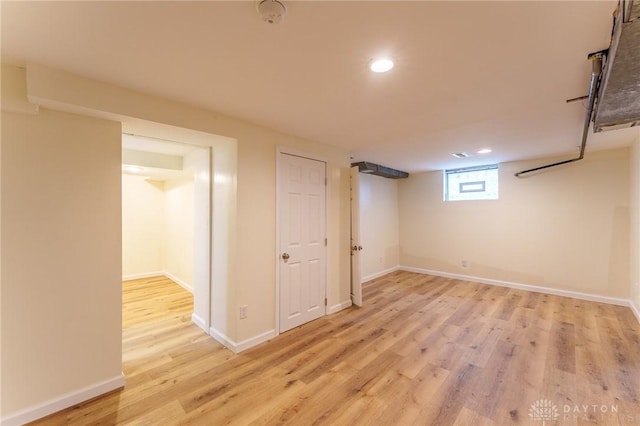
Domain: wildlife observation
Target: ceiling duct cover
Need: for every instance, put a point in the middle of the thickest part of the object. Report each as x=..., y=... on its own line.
x=378, y=170
x=619, y=97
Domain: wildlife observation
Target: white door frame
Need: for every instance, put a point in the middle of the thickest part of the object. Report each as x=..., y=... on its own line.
x=355, y=237
x=297, y=153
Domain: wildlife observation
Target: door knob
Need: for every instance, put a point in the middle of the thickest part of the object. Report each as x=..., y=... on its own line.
x=285, y=256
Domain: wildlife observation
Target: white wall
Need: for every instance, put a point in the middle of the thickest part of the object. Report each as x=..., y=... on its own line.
x=61, y=259
x=143, y=226
x=178, y=243
x=157, y=228
x=379, y=225
x=199, y=162
x=635, y=225
x=566, y=228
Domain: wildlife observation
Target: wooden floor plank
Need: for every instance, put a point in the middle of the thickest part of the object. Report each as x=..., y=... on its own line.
x=422, y=350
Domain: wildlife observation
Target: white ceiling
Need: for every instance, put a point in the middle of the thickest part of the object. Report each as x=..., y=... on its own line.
x=468, y=75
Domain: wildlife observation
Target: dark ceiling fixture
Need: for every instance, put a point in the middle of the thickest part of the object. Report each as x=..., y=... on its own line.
x=378, y=170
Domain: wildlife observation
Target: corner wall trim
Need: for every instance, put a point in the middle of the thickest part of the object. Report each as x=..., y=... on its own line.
x=64, y=401
x=340, y=306
x=380, y=274
x=197, y=320
x=223, y=339
x=519, y=286
x=245, y=344
x=178, y=281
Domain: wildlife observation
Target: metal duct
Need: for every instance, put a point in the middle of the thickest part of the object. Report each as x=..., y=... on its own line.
x=378, y=170
x=619, y=97
x=596, y=69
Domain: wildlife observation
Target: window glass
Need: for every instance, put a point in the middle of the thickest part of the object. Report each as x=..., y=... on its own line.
x=472, y=183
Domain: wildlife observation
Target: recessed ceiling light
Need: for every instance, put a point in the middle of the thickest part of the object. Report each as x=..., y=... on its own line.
x=381, y=65
x=484, y=151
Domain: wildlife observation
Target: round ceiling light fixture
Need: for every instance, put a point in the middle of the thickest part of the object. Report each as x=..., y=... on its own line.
x=381, y=65
x=271, y=11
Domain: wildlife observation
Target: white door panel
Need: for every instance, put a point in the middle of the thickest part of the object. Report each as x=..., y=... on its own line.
x=302, y=211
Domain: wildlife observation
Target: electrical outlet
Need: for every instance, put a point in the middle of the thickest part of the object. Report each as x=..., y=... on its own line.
x=464, y=264
x=243, y=311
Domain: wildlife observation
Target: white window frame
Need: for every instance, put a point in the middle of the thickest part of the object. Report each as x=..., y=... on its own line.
x=471, y=186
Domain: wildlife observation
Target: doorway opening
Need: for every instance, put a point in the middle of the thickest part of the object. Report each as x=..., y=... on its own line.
x=165, y=213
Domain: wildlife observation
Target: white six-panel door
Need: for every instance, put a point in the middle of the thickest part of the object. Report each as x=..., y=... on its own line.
x=302, y=254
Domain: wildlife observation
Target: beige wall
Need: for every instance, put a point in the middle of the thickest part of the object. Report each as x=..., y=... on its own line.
x=566, y=228
x=61, y=256
x=244, y=179
x=253, y=221
x=379, y=224
x=157, y=228
x=178, y=242
x=635, y=225
x=143, y=226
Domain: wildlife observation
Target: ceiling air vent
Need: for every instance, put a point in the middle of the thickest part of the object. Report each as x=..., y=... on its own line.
x=378, y=170
x=461, y=155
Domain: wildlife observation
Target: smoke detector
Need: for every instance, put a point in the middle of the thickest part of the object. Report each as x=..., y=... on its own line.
x=271, y=11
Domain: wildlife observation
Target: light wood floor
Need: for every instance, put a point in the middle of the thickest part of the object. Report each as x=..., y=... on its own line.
x=424, y=350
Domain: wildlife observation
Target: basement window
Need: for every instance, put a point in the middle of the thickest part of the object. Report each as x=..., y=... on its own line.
x=471, y=183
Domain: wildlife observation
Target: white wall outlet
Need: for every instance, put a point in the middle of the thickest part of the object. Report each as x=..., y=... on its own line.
x=243, y=311
x=464, y=264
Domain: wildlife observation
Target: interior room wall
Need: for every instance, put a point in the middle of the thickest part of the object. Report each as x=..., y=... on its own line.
x=250, y=176
x=143, y=226
x=199, y=162
x=158, y=228
x=379, y=225
x=61, y=259
x=178, y=242
x=566, y=228
x=635, y=225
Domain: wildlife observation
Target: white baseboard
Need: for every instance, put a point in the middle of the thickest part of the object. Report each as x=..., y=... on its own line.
x=178, y=281
x=340, y=306
x=380, y=274
x=635, y=309
x=65, y=401
x=223, y=339
x=200, y=322
x=143, y=275
x=255, y=340
x=519, y=286
x=172, y=277
x=245, y=344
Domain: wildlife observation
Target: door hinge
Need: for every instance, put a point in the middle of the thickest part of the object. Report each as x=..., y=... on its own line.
x=325, y=301
x=326, y=181
x=325, y=242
